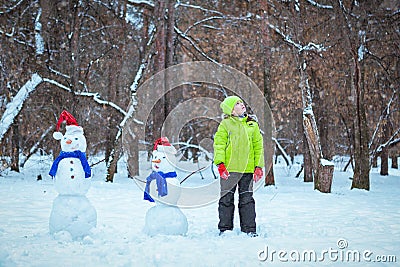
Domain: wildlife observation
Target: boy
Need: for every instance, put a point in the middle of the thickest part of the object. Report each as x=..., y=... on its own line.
x=239, y=155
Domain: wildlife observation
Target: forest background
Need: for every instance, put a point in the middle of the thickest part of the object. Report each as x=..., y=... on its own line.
x=339, y=57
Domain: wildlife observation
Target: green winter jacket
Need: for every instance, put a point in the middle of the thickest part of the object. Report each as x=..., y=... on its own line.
x=238, y=143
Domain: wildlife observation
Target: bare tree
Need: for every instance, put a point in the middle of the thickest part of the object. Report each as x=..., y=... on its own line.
x=354, y=41
x=267, y=44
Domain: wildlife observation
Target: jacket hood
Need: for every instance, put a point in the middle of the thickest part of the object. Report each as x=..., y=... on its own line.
x=229, y=103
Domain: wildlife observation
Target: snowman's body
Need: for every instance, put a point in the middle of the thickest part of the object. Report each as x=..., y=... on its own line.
x=72, y=213
x=165, y=217
x=70, y=178
x=164, y=163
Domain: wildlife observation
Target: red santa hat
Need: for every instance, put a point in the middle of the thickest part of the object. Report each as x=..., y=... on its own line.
x=71, y=128
x=162, y=144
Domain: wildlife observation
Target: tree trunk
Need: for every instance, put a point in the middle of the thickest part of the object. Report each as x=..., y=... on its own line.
x=15, y=146
x=307, y=163
x=114, y=135
x=112, y=164
x=75, y=49
x=132, y=153
x=385, y=150
x=266, y=39
x=75, y=44
x=269, y=177
x=361, y=147
x=326, y=174
x=395, y=164
x=323, y=116
x=159, y=114
x=361, y=151
x=384, y=162
x=360, y=142
x=322, y=173
x=172, y=96
x=374, y=162
x=170, y=32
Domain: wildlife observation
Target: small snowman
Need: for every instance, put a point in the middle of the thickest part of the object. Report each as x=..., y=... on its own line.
x=163, y=188
x=72, y=215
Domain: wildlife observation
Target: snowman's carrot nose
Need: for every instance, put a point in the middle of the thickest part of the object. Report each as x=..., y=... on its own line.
x=69, y=141
x=156, y=160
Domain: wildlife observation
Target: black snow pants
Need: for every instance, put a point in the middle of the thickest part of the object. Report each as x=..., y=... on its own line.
x=226, y=205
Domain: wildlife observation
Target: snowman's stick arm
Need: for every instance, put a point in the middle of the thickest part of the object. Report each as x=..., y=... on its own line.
x=94, y=164
x=192, y=174
x=139, y=179
x=181, y=181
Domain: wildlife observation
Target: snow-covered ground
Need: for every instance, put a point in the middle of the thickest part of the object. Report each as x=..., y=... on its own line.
x=297, y=225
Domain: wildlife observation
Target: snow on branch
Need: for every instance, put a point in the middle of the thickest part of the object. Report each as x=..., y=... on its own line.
x=14, y=107
x=11, y=34
x=308, y=47
x=282, y=151
x=10, y=9
x=135, y=85
x=149, y=4
x=39, y=42
x=139, y=74
x=133, y=88
x=202, y=21
x=96, y=96
x=319, y=5
x=393, y=140
x=384, y=113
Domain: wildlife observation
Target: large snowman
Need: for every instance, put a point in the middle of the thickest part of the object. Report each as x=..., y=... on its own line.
x=72, y=215
x=163, y=188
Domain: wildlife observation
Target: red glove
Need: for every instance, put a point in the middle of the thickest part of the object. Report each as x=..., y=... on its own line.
x=258, y=174
x=223, y=172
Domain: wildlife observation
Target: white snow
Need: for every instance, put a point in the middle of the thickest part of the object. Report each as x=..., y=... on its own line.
x=133, y=17
x=39, y=42
x=293, y=221
x=326, y=162
x=361, y=48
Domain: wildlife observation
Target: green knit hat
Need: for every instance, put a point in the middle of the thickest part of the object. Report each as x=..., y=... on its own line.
x=229, y=103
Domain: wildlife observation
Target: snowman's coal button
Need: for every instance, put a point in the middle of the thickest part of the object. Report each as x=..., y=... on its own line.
x=71, y=169
x=72, y=162
x=72, y=177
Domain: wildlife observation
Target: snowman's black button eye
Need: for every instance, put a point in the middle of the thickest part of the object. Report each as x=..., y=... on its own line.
x=76, y=138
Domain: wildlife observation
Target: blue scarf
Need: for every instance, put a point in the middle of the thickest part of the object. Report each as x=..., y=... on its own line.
x=161, y=184
x=75, y=154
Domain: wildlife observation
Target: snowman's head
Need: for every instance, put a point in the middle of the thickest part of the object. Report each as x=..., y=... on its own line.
x=164, y=156
x=72, y=140
x=163, y=161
